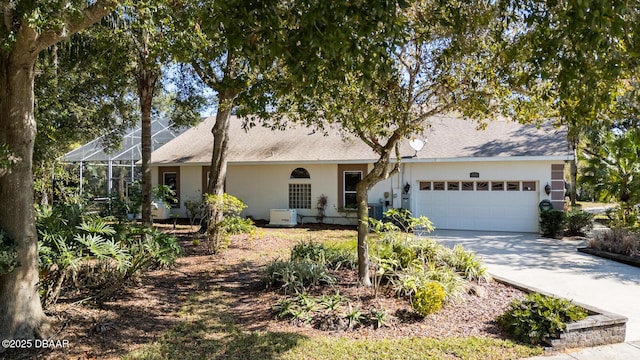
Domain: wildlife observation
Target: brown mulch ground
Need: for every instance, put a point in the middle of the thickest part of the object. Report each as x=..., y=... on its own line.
x=140, y=314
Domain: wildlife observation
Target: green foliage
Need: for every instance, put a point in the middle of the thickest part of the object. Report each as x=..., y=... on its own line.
x=165, y=194
x=308, y=250
x=407, y=262
x=236, y=225
x=333, y=302
x=8, y=254
x=466, y=263
x=354, y=316
x=538, y=317
x=296, y=276
x=552, y=223
x=624, y=216
x=194, y=210
x=401, y=220
x=428, y=298
x=150, y=249
x=332, y=256
x=378, y=318
x=327, y=312
x=613, y=167
x=578, y=222
x=93, y=252
x=223, y=216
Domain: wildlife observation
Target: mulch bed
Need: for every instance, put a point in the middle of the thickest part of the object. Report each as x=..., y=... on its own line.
x=141, y=313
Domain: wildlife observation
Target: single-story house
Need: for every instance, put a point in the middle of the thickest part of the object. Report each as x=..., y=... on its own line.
x=458, y=176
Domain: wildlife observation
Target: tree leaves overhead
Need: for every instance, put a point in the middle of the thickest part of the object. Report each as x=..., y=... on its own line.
x=81, y=94
x=579, y=48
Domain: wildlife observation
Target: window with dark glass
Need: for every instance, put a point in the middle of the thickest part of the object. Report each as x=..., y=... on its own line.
x=513, y=185
x=482, y=186
x=528, y=186
x=350, y=180
x=300, y=173
x=170, y=179
x=497, y=186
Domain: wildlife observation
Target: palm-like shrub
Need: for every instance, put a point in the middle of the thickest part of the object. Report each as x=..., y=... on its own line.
x=88, y=250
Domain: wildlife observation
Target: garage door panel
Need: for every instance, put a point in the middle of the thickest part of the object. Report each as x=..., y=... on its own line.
x=480, y=210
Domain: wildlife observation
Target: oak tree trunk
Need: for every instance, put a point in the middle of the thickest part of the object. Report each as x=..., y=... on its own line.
x=146, y=86
x=362, y=191
x=21, y=314
x=379, y=172
x=220, y=131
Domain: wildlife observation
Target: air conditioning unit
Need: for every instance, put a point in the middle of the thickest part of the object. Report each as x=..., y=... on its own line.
x=283, y=217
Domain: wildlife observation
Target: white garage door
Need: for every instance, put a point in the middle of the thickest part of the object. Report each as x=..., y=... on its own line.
x=479, y=205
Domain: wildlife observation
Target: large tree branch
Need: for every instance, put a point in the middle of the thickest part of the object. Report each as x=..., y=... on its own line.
x=213, y=83
x=91, y=15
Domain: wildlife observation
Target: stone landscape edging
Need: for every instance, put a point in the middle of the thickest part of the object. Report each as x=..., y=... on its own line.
x=600, y=327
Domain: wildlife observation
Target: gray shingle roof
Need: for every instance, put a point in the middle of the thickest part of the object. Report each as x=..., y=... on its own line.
x=448, y=137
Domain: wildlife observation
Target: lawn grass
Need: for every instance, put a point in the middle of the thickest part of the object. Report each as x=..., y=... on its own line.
x=207, y=330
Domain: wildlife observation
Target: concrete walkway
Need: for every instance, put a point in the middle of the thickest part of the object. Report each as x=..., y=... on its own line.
x=554, y=266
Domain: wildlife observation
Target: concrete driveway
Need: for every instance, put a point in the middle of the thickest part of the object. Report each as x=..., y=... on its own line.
x=556, y=267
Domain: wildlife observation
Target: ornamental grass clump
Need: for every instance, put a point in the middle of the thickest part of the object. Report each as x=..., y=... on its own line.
x=538, y=317
x=407, y=262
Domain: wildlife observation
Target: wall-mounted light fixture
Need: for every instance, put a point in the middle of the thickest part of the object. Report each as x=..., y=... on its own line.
x=547, y=189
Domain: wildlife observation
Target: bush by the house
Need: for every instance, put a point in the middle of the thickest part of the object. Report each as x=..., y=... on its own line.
x=538, y=317
x=223, y=218
x=552, y=223
x=578, y=222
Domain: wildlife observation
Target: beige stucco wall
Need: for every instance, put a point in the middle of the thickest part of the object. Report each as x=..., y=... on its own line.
x=265, y=187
